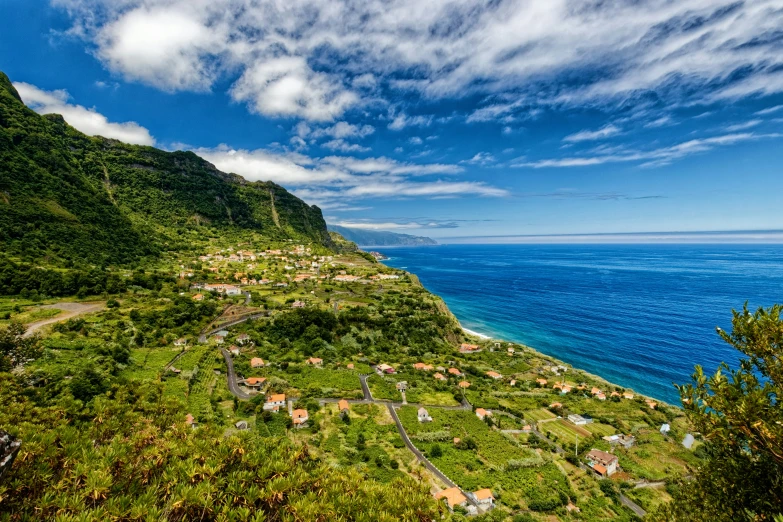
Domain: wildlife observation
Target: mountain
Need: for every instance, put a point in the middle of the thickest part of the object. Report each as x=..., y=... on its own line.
x=373, y=238
x=65, y=196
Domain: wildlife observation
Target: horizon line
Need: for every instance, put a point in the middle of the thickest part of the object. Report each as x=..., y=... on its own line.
x=682, y=237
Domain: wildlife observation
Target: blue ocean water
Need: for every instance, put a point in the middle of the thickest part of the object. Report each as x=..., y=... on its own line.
x=637, y=315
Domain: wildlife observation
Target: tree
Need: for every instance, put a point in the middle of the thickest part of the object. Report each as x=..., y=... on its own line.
x=738, y=413
x=15, y=349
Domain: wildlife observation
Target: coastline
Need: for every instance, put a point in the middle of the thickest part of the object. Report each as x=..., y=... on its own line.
x=483, y=337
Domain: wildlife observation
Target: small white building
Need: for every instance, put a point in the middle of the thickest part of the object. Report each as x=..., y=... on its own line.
x=580, y=420
x=424, y=416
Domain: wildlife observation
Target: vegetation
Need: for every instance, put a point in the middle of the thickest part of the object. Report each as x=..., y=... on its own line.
x=738, y=413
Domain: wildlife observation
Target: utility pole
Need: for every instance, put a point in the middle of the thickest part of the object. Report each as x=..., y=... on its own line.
x=576, y=451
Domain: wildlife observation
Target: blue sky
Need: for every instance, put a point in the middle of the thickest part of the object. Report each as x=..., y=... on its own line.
x=440, y=118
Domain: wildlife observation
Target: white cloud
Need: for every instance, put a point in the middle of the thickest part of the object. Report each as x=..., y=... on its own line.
x=768, y=110
x=415, y=140
x=287, y=86
x=342, y=130
x=343, y=146
x=606, y=131
x=402, y=120
x=337, y=179
x=88, y=121
x=310, y=58
x=743, y=126
x=650, y=158
x=481, y=158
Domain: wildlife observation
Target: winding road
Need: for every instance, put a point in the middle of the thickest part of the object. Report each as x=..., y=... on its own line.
x=232, y=376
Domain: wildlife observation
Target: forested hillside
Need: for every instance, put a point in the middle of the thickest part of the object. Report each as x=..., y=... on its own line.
x=68, y=198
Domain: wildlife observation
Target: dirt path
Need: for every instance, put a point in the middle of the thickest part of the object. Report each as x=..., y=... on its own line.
x=70, y=309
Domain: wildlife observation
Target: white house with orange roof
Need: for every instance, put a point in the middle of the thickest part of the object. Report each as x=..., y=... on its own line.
x=481, y=413
x=255, y=382
x=484, y=498
x=299, y=417
x=343, y=407
x=453, y=497
x=315, y=361
x=424, y=415
x=469, y=348
x=440, y=377
x=494, y=375
x=256, y=362
x=464, y=384
x=455, y=372
x=423, y=367
x=274, y=402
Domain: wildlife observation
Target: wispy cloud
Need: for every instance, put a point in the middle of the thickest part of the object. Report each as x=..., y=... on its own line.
x=316, y=59
x=769, y=110
x=606, y=131
x=89, y=121
x=649, y=158
x=745, y=125
x=336, y=179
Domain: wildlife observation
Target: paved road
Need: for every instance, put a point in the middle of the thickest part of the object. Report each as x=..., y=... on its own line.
x=202, y=338
x=420, y=456
x=365, y=388
x=71, y=309
x=633, y=506
x=231, y=376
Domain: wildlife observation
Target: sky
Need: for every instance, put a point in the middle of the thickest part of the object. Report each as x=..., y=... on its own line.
x=445, y=118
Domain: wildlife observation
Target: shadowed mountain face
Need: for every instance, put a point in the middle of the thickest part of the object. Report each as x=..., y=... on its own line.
x=65, y=196
x=379, y=238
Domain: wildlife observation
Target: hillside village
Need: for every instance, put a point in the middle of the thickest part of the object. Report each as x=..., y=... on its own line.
x=322, y=348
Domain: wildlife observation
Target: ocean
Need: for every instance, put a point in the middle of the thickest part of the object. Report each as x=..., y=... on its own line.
x=640, y=316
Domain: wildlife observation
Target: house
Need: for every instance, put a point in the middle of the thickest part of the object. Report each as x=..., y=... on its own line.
x=614, y=394
x=464, y=384
x=453, y=497
x=595, y=391
x=274, y=402
x=243, y=339
x=580, y=420
x=190, y=421
x=315, y=361
x=402, y=385
x=555, y=405
x=241, y=425
x=455, y=372
x=565, y=389
x=299, y=417
x=628, y=395
x=481, y=413
x=484, y=498
x=440, y=377
x=349, y=366
x=198, y=297
x=457, y=440
x=665, y=428
x=603, y=463
x=181, y=342
x=175, y=370
x=384, y=369
x=541, y=382
x=424, y=416
x=512, y=382
x=651, y=404
x=255, y=382
x=343, y=407
x=220, y=339
x=494, y=375
x=234, y=350
x=626, y=441
x=423, y=367
x=469, y=348
x=601, y=397
x=298, y=304
x=256, y=362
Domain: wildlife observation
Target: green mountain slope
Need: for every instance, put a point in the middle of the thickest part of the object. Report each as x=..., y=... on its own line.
x=65, y=196
x=380, y=238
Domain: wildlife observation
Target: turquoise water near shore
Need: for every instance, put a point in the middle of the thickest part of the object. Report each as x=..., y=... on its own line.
x=637, y=315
